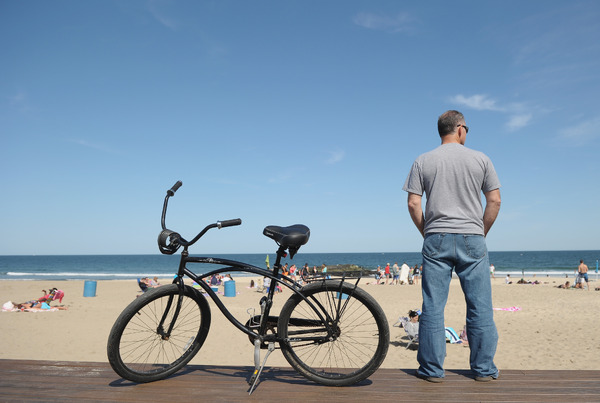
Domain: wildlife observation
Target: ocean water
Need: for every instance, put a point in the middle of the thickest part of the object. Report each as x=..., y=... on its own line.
x=112, y=267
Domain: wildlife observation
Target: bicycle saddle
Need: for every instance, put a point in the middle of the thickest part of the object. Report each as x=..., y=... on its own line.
x=292, y=237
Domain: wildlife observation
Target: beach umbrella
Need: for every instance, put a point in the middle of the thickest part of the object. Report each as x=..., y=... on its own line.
x=267, y=262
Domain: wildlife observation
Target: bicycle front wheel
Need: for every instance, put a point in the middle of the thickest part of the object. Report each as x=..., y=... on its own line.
x=138, y=348
x=355, y=344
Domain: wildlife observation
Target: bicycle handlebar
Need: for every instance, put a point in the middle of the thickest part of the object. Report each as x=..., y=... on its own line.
x=169, y=241
x=171, y=192
x=229, y=223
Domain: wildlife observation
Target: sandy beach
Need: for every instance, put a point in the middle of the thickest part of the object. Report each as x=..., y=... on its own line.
x=554, y=328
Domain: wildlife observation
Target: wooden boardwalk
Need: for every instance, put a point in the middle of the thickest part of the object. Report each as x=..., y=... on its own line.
x=47, y=381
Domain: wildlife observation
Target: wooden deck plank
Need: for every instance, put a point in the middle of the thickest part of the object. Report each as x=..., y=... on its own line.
x=33, y=381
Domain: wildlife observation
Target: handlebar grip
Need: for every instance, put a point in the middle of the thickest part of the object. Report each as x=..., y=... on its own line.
x=176, y=186
x=229, y=223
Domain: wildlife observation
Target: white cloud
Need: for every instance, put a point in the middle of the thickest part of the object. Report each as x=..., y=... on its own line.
x=399, y=23
x=19, y=102
x=582, y=133
x=281, y=177
x=519, y=115
x=336, y=156
x=18, y=99
x=518, y=121
x=161, y=17
x=478, y=102
x=94, y=146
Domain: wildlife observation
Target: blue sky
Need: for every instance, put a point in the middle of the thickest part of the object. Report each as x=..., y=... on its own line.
x=285, y=112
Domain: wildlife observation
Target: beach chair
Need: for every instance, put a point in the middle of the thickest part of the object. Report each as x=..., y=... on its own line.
x=143, y=286
x=412, y=329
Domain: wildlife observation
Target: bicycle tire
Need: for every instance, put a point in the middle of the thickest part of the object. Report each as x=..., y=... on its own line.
x=137, y=352
x=356, y=350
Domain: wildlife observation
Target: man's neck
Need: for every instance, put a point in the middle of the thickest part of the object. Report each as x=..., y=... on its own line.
x=451, y=139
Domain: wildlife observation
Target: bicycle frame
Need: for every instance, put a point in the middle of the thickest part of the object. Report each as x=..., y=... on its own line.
x=232, y=265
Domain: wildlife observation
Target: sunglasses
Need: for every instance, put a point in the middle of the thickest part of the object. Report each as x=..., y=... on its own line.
x=466, y=127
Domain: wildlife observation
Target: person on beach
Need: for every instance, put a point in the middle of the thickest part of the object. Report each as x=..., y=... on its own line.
x=43, y=303
x=396, y=273
x=454, y=225
x=492, y=270
x=214, y=280
x=411, y=275
x=417, y=274
x=387, y=273
x=582, y=271
x=412, y=326
x=304, y=272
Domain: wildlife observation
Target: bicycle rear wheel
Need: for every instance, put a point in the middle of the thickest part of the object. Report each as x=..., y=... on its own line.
x=352, y=351
x=136, y=349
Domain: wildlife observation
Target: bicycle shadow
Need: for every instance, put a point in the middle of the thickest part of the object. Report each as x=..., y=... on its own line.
x=272, y=374
x=403, y=342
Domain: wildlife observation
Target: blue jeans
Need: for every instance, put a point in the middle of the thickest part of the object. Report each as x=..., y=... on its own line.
x=467, y=255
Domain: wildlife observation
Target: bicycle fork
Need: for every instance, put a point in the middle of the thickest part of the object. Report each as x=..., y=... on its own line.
x=160, y=330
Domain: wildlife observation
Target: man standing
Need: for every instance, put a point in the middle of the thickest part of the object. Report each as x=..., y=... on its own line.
x=583, y=274
x=454, y=227
x=387, y=273
x=396, y=272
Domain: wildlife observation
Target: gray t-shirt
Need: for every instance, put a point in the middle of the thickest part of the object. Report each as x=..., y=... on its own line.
x=452, y=177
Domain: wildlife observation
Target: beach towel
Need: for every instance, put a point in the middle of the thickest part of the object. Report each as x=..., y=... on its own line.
x=404, y=270
x=511, y=309
x=10, y=307
x=452, y=336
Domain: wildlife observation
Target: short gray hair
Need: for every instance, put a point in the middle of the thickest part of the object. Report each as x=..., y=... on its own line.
x=449, y=121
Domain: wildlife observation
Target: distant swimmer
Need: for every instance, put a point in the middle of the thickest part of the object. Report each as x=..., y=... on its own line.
x=582, y=270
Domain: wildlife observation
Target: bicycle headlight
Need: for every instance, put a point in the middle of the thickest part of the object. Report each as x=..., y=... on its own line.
x=168, y=242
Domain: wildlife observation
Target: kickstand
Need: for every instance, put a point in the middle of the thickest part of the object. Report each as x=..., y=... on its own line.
x=258, y=367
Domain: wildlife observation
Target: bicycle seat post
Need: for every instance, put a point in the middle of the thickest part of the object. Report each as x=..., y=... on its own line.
x=276, y=268
x=281, y=253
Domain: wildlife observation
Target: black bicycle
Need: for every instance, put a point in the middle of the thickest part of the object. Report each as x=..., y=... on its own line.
x=330, y=331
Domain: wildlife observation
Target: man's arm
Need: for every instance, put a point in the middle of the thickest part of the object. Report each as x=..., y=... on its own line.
x=492, y=207
x=416, y=211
